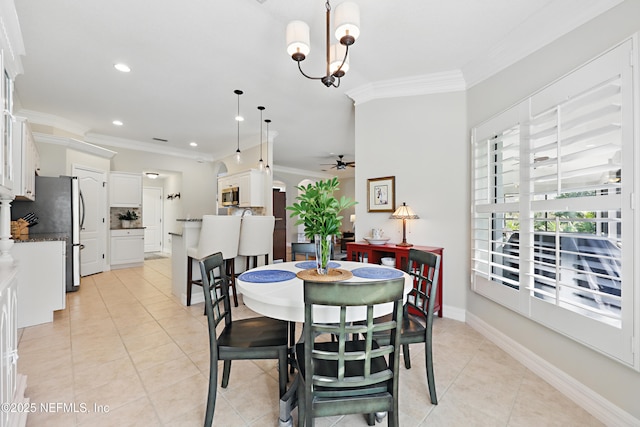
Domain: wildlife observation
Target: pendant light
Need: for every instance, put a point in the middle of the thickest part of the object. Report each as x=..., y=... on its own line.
x=267, y=169
x=239, y=118
x=261, y=163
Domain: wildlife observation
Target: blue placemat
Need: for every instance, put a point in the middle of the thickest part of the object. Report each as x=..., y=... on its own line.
x=267, y=276
x=376, y=273
x=305, y=265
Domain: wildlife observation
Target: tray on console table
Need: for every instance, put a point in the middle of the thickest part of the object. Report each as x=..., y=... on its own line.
x=357, y=251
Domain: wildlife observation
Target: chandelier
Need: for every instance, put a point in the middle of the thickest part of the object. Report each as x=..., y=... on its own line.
x=347, y=30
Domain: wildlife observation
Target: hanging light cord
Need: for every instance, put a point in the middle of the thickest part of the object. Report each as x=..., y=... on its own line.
x=267, y=121
x=238, y=119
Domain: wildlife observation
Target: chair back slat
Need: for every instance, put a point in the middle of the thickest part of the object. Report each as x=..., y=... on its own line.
x=343, y=355
x=215, y=284
x=424, y=268
x=306, y=250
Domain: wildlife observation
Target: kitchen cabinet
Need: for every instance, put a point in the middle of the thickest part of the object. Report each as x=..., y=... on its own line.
x=125, y=189
x=250, y=187
x=12, y=384
x=41, y=280
x=6, y=127
x=26, y=161
x=127, y=248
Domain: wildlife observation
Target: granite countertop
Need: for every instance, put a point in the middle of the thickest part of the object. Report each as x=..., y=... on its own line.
x=189, y=219
x=41, y=237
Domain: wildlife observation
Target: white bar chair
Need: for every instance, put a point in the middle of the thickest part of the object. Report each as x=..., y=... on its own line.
x=219, y=233
x=256, y=238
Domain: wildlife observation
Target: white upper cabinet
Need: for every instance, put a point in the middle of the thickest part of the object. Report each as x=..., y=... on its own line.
x=11, y=50
x=125, y=189
x=26, y=161
x=250, y=186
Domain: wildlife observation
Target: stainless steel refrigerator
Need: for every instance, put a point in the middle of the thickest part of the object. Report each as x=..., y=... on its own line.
x=59, y=210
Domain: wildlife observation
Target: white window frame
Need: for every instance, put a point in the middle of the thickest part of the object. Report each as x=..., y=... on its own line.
x=620, y=341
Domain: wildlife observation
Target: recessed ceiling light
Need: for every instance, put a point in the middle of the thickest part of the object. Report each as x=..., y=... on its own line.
x=117, y=122
x=122, y=67
x=193, y=144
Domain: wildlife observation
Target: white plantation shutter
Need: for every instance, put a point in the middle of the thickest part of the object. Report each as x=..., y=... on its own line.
x=553, y=222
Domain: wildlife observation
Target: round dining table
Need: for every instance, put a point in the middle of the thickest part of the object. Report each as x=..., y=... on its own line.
x=276, y=291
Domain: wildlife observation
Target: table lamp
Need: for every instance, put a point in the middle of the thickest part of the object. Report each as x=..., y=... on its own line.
x=352, y=220
x=404, y=213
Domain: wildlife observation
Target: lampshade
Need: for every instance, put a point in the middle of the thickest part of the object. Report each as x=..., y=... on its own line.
x=347, y=20
x=352, y=218
x=404, y=212
x=336, y=54
x=298, y=38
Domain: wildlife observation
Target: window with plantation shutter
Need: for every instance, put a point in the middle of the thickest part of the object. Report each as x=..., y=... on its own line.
x=553, y=210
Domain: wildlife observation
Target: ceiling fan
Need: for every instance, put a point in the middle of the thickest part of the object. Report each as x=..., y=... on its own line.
x=341, y=165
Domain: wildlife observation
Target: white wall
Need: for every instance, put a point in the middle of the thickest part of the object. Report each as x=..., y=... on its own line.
x=199, y=180
x=615, y=382
x=421, y=141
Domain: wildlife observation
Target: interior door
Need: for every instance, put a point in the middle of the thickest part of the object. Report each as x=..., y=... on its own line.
x=152, y=218
x=93, y=233
x=280, y=229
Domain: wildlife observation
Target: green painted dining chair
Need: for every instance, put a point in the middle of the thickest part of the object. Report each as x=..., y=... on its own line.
x=349, y=376
x=417, y=319
x=306, y=250
x=245, y=339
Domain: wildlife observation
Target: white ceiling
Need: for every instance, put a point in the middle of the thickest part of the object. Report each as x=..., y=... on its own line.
x=187, y=57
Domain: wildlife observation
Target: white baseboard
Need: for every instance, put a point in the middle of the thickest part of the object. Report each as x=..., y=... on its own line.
x=454, y=313
x=589, y=400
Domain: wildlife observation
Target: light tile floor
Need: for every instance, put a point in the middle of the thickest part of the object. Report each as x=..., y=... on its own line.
x=125, y=352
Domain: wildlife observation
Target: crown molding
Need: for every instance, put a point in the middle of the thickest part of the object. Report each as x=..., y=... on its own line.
x=539, y=30
x=74, y=144
x=302, y=172
x=131, y=144
x=446, y=81
x=54, y=121
x=548, y=24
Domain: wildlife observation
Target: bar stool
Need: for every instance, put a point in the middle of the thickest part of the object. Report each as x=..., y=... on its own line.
x=256, y=238
x=219, y=233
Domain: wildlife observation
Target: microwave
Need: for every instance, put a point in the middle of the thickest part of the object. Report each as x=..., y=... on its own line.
x=230, y=196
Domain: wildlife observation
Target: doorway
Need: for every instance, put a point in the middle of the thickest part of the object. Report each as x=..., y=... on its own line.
x=152, y=208
x=93, y=234
x=280, y=229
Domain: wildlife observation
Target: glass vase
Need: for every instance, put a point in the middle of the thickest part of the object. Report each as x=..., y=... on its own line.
x=323, y=253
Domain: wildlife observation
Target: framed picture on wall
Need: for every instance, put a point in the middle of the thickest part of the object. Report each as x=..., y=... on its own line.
x=381, y=194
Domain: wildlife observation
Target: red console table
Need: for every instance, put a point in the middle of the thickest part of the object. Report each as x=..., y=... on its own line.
x=358, y=251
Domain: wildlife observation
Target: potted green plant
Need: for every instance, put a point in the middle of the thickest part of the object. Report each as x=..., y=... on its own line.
x=127, y=218
x=319, y=211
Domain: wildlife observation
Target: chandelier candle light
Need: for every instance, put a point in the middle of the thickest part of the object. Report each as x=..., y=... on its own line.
x=347, y=30
x=404, y=213
x=239, y=118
